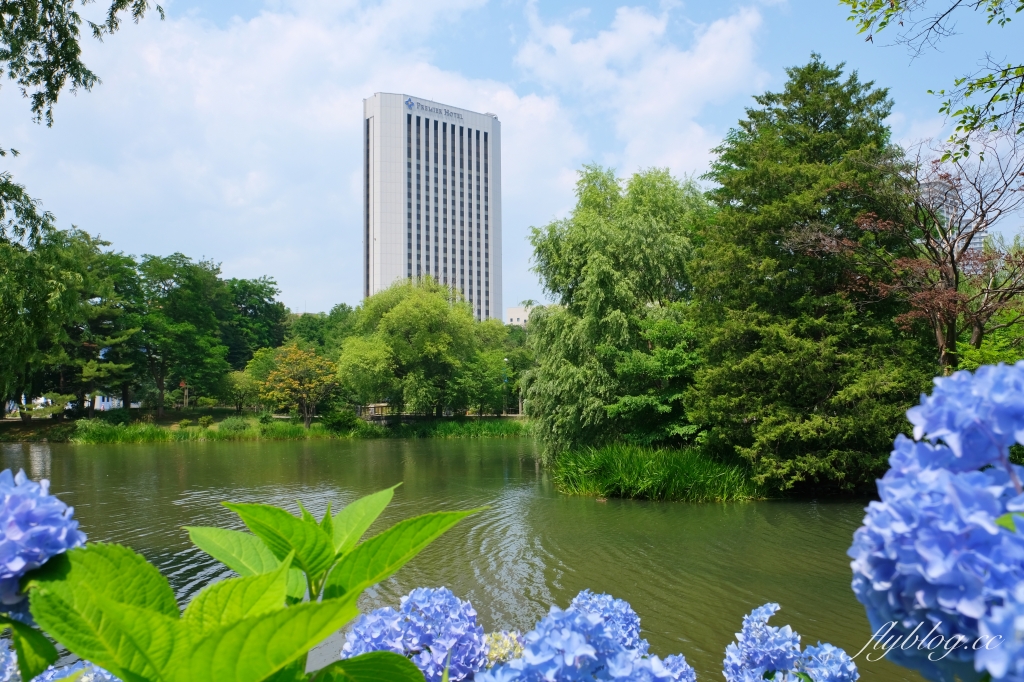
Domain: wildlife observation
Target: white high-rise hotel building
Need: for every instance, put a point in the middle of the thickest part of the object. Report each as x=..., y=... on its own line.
x=432, y=198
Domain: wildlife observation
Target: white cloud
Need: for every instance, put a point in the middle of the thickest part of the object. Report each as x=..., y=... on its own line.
x=653, y=90
x=242, y=143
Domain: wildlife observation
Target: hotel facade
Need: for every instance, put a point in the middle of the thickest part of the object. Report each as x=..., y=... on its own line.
x=432, y=198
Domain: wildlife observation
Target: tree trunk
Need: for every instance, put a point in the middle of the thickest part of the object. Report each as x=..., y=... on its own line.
x=438, y=411
x=92, y=403
x=160, y=398
x=977, y=335
x=307, y=414
x=126, y=396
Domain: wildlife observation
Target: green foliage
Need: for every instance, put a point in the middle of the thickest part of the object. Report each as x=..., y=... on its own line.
x=107, y=605
x=630, y=471
x=184, y=423
x=35, y=651
x=616, y=353
x=256, y=319
x=803, y=373
x=339, y=420
x=301, y=380
x=234, y=425
x=327, y=332
x=376, y=666
x=417, y=347
x=206, y=421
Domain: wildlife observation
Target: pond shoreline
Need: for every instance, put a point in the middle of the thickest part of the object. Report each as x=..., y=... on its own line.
x=98, y=431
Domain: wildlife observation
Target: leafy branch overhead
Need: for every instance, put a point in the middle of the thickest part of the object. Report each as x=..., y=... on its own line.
x=40, y=46
x=989, y=98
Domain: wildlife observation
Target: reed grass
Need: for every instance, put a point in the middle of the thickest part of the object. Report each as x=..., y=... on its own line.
x=462, y=428
x=629, y=471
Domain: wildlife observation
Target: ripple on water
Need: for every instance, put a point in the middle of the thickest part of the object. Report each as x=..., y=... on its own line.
x=690, y=571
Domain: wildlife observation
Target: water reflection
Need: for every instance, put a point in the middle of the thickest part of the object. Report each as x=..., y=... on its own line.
x=690, y=571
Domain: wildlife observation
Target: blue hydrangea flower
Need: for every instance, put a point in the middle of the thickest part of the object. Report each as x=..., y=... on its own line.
x=8, y=662
x=827, y=663
x=978, y=416
x=432, y=627
x=34, y=526
x=618, y=614
x=760, y=648
x=576, y=646
x=9, y=669
x=91, y=674
x=679, y=669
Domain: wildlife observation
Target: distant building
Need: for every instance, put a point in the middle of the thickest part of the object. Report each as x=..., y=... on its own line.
x=517, y=315
x=432, y=198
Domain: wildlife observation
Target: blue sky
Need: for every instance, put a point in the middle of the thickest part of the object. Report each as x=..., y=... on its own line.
x=232, y=129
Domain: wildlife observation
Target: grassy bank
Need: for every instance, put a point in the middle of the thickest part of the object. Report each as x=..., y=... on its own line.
x=643, y=473
x=97, y=431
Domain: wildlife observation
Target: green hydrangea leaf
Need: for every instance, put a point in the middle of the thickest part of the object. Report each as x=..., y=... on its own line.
x=382, y=555
x=283, y=533
x=245, y=554
x=1007, y=522
x=35, y=652
x=294, y=672
x=327, y=523
x=238, y=598
x=353, y=520
x=376, y=666
x=114, y=572
x=253, y=649
x=305, y=515
x=135, y=644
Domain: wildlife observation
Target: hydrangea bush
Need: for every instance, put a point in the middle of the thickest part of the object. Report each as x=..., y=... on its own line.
x=596, y=638
x=939, y=560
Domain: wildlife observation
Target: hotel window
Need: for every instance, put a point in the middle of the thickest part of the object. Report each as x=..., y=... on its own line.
x=408, y=146
x=419, y=227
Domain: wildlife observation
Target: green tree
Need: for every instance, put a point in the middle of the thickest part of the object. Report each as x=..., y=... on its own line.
x=39, y=295
x=180, y=333
x=253, y=319
x=366, y=372
x=240, y=389
x=302, y=380
x=327, y=332
x=804, y=373
x=619, y=269
x=417, y=347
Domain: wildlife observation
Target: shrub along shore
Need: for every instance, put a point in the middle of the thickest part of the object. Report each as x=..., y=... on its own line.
x=99, y=431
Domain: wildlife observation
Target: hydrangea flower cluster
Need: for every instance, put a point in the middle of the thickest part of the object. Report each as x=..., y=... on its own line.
x=617, y=614
x=827, y=663
x=34, y=526
x=9, y=669
x=761, y=649
x=433, y=628
x=596, y=638
x=930, y=558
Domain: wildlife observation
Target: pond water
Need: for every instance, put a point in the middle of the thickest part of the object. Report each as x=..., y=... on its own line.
x=690, y=571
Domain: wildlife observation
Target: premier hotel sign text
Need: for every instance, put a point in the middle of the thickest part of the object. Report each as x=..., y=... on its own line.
x=432, y=110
